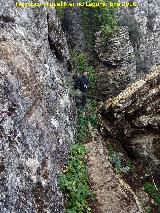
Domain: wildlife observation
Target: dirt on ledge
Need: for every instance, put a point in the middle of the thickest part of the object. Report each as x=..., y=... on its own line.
x=112, y=194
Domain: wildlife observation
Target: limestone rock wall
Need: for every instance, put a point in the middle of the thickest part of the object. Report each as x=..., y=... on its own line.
x=143, y=24
x=36, y=121
x=117, y=65
x=72, y=24
x=132, y=118
x=132, y=51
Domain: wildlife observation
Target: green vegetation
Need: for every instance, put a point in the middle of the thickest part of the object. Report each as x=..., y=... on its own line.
x=100, y=19
x=107, y=21
x=79, y=61
x=118, y=162
x=91, y=115
x=81, y=127
x=152, y=192
x=85, y=116
x=73, y=180
x=59, y=10
x=80, y=64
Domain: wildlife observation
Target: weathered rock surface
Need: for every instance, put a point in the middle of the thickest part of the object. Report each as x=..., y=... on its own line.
x=36, y=111
x=143, y=24
x=117, y=64
x=113, y=195
x=72, y=24
x=132, y=52
x=133, y=119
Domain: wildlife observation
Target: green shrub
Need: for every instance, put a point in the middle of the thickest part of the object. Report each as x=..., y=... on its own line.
x=100, y=19
x=152, y=191
x=74, y=181
x=80, y=64
x=93, y=120
x=90, y=111
x=82, y=126
x=80, y=61
x=59, y=10
x=91, y=77
x=117, y=161
x=84, y=116
x=107, y=31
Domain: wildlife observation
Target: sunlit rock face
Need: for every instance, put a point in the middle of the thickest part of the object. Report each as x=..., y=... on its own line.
x=143, y=22
x=132, y=51
x=36, y=109
x=133, y=119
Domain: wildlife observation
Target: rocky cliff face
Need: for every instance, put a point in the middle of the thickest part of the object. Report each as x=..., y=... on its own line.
x=36, y=111
x=72, y=24
x=117, y=64
x=143, y=24
x=132, y=51
x=132, y=118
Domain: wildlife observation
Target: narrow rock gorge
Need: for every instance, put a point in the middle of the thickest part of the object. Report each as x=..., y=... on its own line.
x=38, y=114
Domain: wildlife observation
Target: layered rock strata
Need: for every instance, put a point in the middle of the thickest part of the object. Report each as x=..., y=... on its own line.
x=133, y=119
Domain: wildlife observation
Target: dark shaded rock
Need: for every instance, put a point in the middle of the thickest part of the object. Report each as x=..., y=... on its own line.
x=72, y=24
x=133, y=119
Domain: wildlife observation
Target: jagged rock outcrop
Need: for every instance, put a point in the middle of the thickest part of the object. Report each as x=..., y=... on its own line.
x=36, y=110
x=132, y=51
x=143, y=22
x=117, y=64
x=133, y=119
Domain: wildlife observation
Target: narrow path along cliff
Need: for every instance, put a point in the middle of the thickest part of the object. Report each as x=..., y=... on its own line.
x=113, y=195
x=118, y=184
